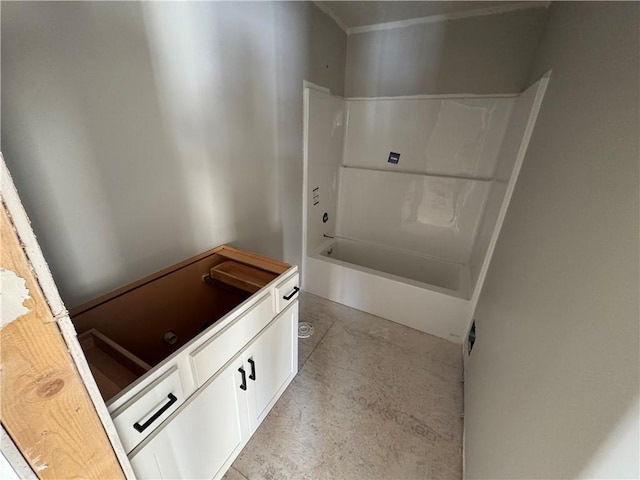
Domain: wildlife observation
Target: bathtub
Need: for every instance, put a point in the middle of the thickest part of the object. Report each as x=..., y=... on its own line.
x=425, y=293
x=423, y=271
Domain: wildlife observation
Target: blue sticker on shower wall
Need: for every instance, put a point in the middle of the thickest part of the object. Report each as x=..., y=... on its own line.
x=394, y=157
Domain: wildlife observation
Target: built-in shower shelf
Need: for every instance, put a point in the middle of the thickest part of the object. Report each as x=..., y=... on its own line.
x=416, y=172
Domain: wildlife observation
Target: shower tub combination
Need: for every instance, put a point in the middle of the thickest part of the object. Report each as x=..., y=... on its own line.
x=425, y=293
x=446, y=277
x=404, y=199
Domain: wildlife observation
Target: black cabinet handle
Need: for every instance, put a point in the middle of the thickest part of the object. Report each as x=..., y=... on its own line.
x=141, y=428
x=290, y=296
x=244, y=379
x=253, y=369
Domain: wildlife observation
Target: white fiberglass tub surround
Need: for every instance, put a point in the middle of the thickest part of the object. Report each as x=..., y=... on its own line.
x=419, y=270
x=414, y=190
x=357, y=274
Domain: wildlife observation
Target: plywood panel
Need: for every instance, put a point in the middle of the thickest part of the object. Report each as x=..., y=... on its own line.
x=45, y=407
x=112, y=366
x=138, y=316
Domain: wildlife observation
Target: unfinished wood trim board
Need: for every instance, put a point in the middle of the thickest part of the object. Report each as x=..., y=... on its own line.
x=59, y=433
x=241, y=276
x=45, y=407
x=114, y=368
x=253, y=259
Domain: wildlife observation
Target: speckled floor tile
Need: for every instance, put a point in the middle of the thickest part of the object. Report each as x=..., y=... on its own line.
x=314, y=311
x=233, y=474
x=373, y=400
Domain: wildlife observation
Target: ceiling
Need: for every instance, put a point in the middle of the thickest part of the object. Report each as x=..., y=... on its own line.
x=357, y=14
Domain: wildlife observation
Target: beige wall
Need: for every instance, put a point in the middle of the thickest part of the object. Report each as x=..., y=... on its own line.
x=552, y=384
x=139, y=134
x=487, y=54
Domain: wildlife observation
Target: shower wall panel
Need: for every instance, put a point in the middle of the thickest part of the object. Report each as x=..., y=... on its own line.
x=325, y=138
x=434, y=216
x=521, y=117
x=438, y=136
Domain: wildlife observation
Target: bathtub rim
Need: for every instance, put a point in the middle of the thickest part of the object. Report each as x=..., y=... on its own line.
x=316, y=254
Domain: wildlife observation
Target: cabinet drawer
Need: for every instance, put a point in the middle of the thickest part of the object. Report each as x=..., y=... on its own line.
x=287, y=292
x=218, y=350
x=137, y=418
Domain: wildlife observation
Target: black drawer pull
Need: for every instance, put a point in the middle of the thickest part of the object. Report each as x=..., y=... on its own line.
x=141, y=428
x=290, y=296
x=253, y=369
x=244, y=379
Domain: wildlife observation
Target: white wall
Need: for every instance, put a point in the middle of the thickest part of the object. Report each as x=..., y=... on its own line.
x=488, y=54
x=555, y=367
x=617, y=456
x=6, y=470
x=325, y=138
x=512, y=142
x=139, y=134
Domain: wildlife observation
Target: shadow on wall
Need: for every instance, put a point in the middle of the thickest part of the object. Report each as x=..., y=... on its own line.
x=141, y=134
x=556, y=362
x=72, y=136
x=217, y=91
x=480, y=55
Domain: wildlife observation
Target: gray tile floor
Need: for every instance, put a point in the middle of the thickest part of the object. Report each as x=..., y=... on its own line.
x=372, y=400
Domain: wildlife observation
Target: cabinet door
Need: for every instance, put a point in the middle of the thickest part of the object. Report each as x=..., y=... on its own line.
x=274, y=361
x=204, y=438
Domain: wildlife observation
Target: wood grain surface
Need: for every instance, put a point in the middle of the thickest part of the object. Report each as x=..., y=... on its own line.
x=44, y=405
x=175, y=299
x=241, y=275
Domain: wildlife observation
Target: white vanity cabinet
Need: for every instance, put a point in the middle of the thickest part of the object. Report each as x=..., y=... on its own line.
x=270, y=362
x=197, y=356
x=203, y=437
x=207, y=433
